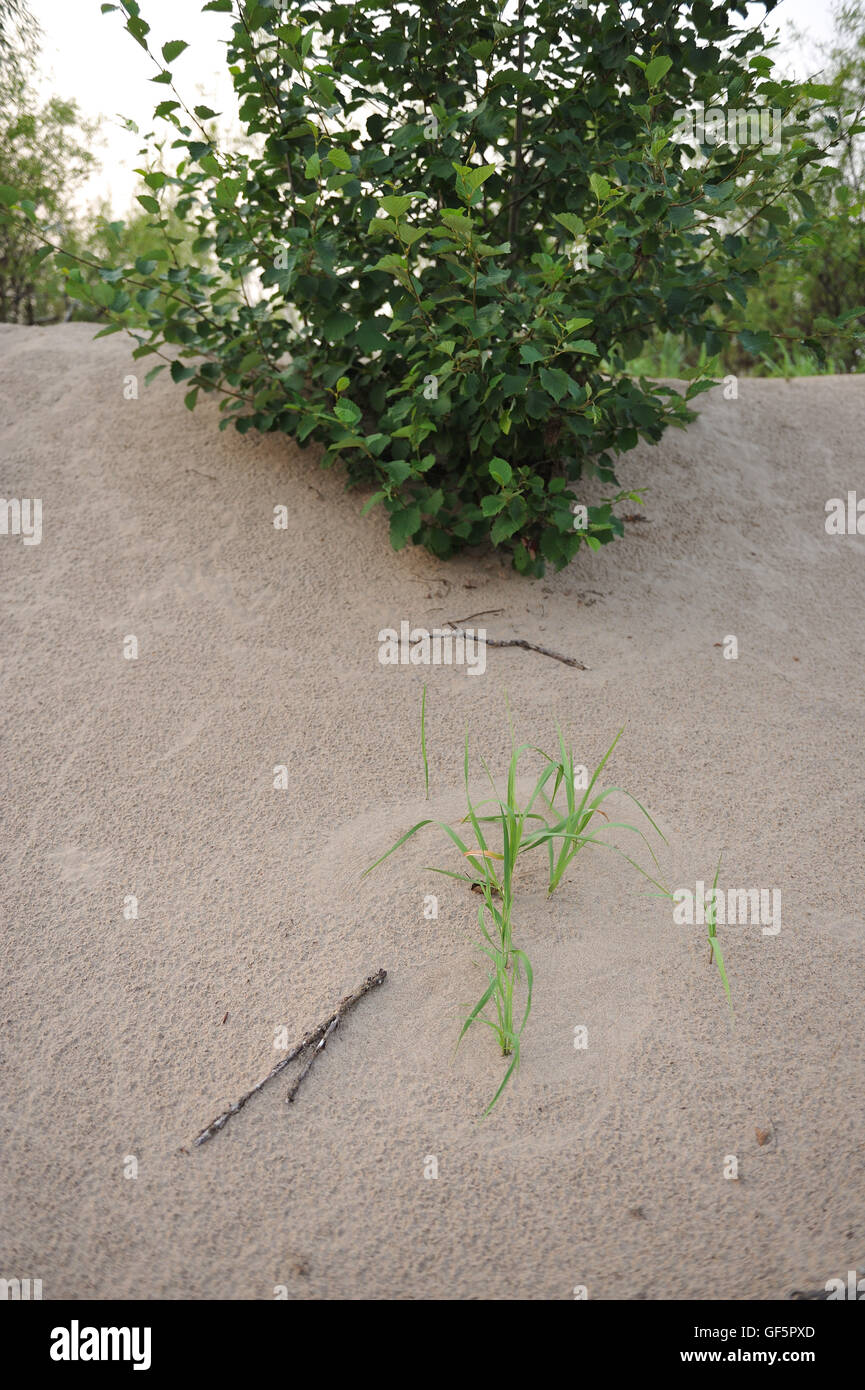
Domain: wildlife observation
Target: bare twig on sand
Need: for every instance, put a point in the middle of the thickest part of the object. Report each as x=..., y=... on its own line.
x=317, y=1037
x=484, y=613
x=527, y=647
x=319, y=1047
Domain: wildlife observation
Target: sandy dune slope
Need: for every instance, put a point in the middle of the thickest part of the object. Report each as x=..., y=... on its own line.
x=602, y=1167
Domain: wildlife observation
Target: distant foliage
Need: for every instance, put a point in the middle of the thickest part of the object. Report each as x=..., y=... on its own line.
x=43, y=157
x=447, y=233
x=820, y=294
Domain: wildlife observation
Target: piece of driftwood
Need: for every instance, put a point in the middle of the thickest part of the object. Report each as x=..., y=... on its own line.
x=526, y=646
x=316, y=1037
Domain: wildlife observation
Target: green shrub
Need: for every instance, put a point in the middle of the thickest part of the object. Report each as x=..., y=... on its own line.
x=448, y=232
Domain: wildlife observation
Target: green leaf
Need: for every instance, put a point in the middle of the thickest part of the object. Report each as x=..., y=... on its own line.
x=755, y=343
x=493, y=503
x=503, y=528
x=173, y=50
x=337, y=325
x=599, y=186
x=377, y=443
x=398, y=470
x=469, y=178
x=410, y=235
x=555, y=381
x=372, y=502
x=501, y=470
x=369, y=337
x=657, y=69
x=347, y=412
x=404, y=525
x=227, y=190
x=148, y=202
x=571, y=223
x=395, y=206
x=138, y=29
x=339, y=159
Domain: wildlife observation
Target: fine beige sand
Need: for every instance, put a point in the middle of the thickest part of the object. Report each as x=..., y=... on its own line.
x=601, y=1167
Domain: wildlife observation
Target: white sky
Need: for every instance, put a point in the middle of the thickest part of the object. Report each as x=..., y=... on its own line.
x=90, y=57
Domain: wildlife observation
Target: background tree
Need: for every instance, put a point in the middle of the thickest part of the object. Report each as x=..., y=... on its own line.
x=44, y=155
x=826, y=283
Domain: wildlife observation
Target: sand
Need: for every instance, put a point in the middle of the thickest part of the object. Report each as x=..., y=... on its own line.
x=602, y=1168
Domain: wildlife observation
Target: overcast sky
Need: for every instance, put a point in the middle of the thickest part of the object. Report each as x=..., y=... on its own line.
x=89, y=56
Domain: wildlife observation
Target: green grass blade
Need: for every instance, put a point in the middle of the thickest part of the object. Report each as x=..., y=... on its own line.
x=401, y=841
x=507, y=1076
x=423, y=742
x=482, y=1002
x=527, y=966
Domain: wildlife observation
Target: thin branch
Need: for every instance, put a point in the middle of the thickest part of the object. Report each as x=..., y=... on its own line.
x=316, y=1037
x=526, y=646
x=484, y=613
x=319, y=1047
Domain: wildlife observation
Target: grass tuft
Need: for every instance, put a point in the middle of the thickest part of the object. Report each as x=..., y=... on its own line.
x=563, y=830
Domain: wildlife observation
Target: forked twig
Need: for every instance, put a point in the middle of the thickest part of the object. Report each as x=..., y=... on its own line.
x=319, y=1047
x=317, y=1037
x=527, y=647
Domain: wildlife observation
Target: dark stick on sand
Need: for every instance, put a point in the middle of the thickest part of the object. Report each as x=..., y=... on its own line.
x=319, y=1047
x=528, y=647
x=317, y=1038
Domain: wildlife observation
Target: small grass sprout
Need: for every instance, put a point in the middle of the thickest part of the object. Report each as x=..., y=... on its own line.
x=715, y=953
x=564, y=831
x=714, y=944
